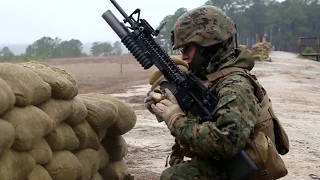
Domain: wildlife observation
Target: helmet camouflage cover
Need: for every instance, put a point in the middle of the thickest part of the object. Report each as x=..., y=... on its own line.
x=204, y=26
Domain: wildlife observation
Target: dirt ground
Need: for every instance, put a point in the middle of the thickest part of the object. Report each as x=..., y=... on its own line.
x=104, y=74
x=292, y=83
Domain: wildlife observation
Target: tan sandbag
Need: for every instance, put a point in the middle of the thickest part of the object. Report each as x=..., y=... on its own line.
x=116, y=147
x=257, y=57
x=242, y=46
x=261, y=51
x=30, y=124
x=97, y=176
x=116, y=170
x=39, y=173
x=102, y=133
x=101, y=113
x=62, y=87
x=16, y=165
x=126, y=116
x=79, y=110
x=7, y=97
x=26, y=85
x=89, y=160
x=62, y=138
x=58, y=109
x=7, y=136
x=86, y=136
x=66, y=75
x=266, y=58
x=41, y=152
x=64, y=166
x=103, y=157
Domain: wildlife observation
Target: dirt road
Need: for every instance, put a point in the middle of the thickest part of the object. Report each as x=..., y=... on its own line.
x=293, y=85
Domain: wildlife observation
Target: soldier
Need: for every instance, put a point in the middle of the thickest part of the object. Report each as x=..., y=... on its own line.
x=243, y=119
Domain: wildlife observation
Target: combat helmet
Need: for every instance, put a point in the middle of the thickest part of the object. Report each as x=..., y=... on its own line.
x=204, y=26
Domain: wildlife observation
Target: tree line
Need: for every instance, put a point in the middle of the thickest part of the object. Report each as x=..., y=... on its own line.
x=281, y=22
x=49, y=48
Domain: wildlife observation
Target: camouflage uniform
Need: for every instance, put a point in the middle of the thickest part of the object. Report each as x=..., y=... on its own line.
x=209, y=144
x=212, y=142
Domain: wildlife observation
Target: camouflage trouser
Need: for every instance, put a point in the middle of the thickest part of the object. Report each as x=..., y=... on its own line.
x=194, y=170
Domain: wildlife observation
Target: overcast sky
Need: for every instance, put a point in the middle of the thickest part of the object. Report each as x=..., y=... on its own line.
x=24, y=21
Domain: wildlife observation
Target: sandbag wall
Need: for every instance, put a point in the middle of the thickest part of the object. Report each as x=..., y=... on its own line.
x=261, y=51
x=50, y=132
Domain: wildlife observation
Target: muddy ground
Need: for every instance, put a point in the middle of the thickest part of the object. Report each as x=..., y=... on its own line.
x=292, y=83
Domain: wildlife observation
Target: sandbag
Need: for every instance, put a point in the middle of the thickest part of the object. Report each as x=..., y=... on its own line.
x=16, y=165
x=261, y=51
x=66, y=75
x=126, y=116
x=103, y=157
x=58, y=109
x=39, y=173
x=64, y=166
x=97, y=176
x=62, y=87
x=27, y=86
x=115, y=146
x=101, y=113
x=86, y=136
x=30, y=124
x=7, y=97
x=89, y=160
x=116, y=170
x=79, y=112
x=41, y=152
x=7, y=136
x=62, y=138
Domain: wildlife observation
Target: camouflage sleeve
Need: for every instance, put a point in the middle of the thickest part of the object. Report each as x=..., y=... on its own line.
x=176, y=156
x=238, y=111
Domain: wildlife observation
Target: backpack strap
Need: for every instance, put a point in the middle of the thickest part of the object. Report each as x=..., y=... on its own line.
x=223, y=72
x=216, y=76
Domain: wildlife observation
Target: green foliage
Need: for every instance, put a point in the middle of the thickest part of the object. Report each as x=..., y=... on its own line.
x=165, y=33
x=105, y=48
x=6, y=54
x=283, y=22
x=101, y=48
x=117, y=48
x=49, y=48
x=308, y=50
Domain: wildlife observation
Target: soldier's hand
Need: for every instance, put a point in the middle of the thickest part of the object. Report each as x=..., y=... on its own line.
x=168, y=109
x=153, y=97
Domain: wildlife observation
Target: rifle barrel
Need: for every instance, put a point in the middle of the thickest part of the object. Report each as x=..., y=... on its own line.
x=114, y=23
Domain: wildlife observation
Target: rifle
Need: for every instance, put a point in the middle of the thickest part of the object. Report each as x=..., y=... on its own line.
x=191, y=94
x=235, y=38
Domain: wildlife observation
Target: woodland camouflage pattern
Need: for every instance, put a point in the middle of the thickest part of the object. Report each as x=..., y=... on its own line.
x=205, y=26
x=210, y=143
